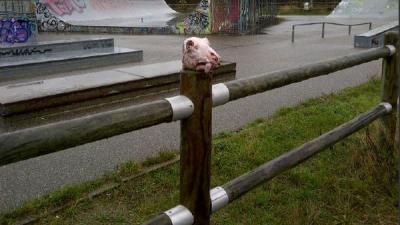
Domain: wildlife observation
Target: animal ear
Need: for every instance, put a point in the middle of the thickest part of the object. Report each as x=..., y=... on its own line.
x=206, y=41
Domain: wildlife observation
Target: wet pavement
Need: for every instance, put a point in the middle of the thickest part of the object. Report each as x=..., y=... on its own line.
x=254, y=55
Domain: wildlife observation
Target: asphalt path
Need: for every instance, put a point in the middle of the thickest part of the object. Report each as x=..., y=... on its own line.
x=254, y=54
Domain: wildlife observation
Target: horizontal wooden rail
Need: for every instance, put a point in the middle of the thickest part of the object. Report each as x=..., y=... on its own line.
x=269, y=170
x=241, y=185
x=161, y=219
x=28, y=143
x=261, y=83
x=36, y=141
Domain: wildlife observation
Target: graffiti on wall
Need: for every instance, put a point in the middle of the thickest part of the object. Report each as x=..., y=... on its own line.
x=65, y=7
x=24, y=52
x=197, y=22
x=226, y=16
x=47, y=21
x=16, y=30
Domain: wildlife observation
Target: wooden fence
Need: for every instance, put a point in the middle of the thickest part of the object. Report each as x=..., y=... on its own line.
x=193, y=107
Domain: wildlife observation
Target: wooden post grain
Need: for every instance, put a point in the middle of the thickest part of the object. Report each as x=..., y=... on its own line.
x=389, y=94
x=196, y=147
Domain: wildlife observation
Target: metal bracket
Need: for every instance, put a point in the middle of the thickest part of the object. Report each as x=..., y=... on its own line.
x=180, y=215
x=182, y=107
x=392, y=49
x=387, y=106
x=220, y=94
x=219, y=198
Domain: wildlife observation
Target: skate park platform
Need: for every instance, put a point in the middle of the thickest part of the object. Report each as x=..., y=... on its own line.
x=101, y=87
x=375, y=38
x=49, y=57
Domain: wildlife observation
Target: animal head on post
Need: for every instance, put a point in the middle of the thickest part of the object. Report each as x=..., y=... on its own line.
x=198, y=55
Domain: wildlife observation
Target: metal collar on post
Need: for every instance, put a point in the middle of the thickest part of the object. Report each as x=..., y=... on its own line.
x=180, y=215
x=392, y=49
x=219, y=198
x=387, y=106
x=182, y=107
x=220, y=94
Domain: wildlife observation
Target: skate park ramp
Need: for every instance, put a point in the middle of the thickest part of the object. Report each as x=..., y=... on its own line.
x=132, y=13
x=59, y=14
x=366, y=9
x=155, y=16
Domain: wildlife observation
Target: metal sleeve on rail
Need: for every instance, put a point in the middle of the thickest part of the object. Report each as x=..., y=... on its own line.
x=182, y=107
x=257, y=84
x=220, y=94
x=27, y=143
x=269, y=170
x=178, y=215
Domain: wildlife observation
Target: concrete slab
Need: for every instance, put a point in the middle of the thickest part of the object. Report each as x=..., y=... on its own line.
x=172, y=67
x=375, y=37
x=143, y=80
x=60, y=46
x=64, y=85
x=154, y=70
x=12, y=69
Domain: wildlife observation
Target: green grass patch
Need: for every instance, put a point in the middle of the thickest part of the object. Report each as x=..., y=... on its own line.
x=71, y=194
x=352, y=182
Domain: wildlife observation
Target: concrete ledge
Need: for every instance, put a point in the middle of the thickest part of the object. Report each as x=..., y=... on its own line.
x=59, y=46
x=143, y=80
x=62, y=56
x=375, y=37
x=66, y=63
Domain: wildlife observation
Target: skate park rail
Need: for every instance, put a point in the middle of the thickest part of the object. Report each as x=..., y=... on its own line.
x=330, y=23
x=193, y=107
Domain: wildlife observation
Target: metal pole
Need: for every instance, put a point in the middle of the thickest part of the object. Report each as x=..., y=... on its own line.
x=293, y=33
x=323, y=30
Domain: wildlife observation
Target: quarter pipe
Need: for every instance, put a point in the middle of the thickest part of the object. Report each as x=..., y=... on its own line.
x=366, y=9
x=152, y=16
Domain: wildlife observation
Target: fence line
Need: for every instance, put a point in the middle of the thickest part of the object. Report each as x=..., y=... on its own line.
x=241, y=185
x=222, y=196
x=20, y=144
x=193, y=108
x=350, y=26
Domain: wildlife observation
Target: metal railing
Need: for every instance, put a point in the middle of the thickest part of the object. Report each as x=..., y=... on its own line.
x=350, y=26
x=193, y=108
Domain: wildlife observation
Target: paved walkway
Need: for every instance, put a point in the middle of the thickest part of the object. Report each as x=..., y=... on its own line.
x=254, y=54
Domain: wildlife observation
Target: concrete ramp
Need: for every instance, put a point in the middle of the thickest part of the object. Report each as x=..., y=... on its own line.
x=117, y=16
x=365, y=9
x=154, y=16
x=129, y=13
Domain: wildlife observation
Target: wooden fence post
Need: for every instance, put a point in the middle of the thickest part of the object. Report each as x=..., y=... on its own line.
x=390, y=88
x=196, y=147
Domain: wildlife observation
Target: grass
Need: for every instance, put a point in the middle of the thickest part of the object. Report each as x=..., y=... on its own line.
x=70, y=195
x=352, y=182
